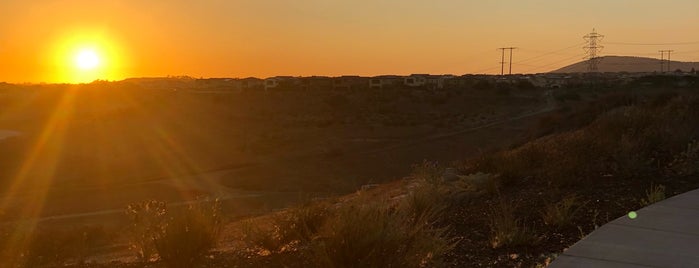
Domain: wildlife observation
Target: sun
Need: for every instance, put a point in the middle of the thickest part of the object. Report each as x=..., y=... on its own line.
x=82, y=55
x=87, y=59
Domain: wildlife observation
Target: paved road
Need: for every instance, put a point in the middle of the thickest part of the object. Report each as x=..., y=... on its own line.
x=664, y=234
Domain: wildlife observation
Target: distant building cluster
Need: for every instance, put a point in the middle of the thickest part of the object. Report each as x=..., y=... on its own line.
x=413, y=81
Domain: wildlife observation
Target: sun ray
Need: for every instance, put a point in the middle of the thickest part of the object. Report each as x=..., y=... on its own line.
x=43, y=156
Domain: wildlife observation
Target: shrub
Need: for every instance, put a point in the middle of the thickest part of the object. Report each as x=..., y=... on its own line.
x=562, y=213
x=189, y=235
x=425, y=204
x=375, y=236
x=428, y=171
x=147, y=220
x=687, y=161
x=507, y=229
x=180, y=240
x=357, y=233
x=656, y=193
x=288, y=230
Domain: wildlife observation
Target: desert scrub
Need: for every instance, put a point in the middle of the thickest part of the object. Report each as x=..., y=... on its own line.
x=687, y=161
x=628, y=141
x=562, y=213
x=425, y=204
x=179, y=238
x=656, y=193
x=190, y=234
x=293, y=228
x=356, y=233
x=371, y=235
x=428, y=171
x=146, y=223
x=506, y=229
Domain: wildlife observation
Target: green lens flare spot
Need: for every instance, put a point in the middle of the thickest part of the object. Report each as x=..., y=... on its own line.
x=633, y=215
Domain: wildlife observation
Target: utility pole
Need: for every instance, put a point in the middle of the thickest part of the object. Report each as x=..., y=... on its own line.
x=663, y=60
x=502, y=61
x=592, y=49
x=511, y=59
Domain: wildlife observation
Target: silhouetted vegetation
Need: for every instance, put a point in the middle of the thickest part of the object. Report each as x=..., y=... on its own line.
x=179, y=238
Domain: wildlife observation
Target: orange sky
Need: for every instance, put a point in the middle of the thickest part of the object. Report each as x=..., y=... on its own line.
x=240, y=38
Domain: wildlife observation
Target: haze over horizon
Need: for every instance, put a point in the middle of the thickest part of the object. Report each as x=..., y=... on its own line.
x=56, y=41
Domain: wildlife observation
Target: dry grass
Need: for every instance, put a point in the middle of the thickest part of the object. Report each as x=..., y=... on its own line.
x=147, y=220
x=375, y=236
x=506, y=229
x=656, y=193
x=179, y=238
x=189, y=235
x=428, y=171
x=289, y=230
x=633, y=140
x=358, y=233
x=562, y=213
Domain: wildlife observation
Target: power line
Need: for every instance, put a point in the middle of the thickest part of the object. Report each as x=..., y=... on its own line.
x=687, y=52
x=652, y=44
x=550, y=64
x=551, y=52
x=488, y=69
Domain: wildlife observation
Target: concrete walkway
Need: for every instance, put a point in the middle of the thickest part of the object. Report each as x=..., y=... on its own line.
x=664, y=234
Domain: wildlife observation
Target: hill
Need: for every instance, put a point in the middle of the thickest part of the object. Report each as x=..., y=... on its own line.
x=627, y=64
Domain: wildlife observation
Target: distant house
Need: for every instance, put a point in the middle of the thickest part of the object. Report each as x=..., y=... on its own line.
x=218, y=84
x=165, y=83
x=316, y=83
x=437, y=81
x=271, y=83
x=459, y=82
x=385, y=81
x=350, y=82
x=426, y=81
x=415, y=80
x=251, y=83
x=286, y=82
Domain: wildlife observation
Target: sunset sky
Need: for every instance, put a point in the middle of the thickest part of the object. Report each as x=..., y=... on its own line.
x=54, y=40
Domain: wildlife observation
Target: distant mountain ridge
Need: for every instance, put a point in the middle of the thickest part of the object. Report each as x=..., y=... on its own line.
x=628, y=64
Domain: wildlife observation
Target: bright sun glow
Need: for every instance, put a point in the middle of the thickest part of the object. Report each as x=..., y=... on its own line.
x=87, y=60
x=83, y=56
